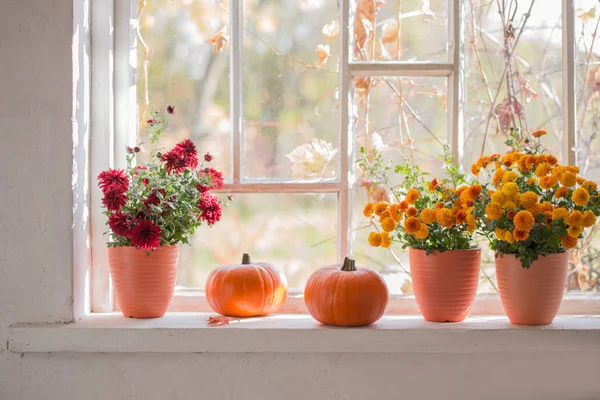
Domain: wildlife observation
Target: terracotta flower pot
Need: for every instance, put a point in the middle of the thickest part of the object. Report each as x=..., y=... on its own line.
x=143, y=284
x=445, y=283
x=531, y=296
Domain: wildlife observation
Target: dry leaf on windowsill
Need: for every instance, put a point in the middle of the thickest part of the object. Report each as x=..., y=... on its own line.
x=218, y=41
x=219, y=320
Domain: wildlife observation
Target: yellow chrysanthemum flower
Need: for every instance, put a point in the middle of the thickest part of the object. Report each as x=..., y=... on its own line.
x=560, y=213
x=380, y=207
x=510, y=189
x=510, y=205
x=575, y=231
x=412, y=196
x=388, y=224
x=423, y=232
x=374, y=239
x=428, y=216
x=508, y=237
x=576, y=218
x=445, y=217
x=589, y=219
x=386, y=240
x=558, y=170
x=510, y=177
x=493, y=211
x=529, y=200
x=499, y=233
x=368, y=210
x=523, y=221
x=580, y=197
x=542, y=170
x=412, y=225
x=568, y=179
x=498, y=198
x=568, y=242
x=572, y=168
x=548, y=182
x=531, y=181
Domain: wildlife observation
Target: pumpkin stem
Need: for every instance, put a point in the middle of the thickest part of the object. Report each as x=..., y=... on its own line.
x=349, y=265
x=246, y=259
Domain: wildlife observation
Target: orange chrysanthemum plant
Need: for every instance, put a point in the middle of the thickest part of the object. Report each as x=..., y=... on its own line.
x=426, y=214
x=536, y=207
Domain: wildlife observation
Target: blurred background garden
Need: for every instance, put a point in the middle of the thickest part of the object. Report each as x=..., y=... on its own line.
x=512, y=60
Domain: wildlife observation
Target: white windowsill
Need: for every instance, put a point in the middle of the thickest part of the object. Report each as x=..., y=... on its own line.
x=188, y=332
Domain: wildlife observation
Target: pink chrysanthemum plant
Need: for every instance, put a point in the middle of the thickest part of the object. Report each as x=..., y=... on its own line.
x=163, y=202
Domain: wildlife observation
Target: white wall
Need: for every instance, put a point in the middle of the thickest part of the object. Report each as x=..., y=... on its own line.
x=36, y=104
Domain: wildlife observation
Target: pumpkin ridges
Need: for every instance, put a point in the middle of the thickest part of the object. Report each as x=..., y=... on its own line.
x=246, y=290
x=346, y=298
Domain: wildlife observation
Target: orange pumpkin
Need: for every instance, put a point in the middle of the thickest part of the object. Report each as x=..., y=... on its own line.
x=346, y=296
x=246, y=290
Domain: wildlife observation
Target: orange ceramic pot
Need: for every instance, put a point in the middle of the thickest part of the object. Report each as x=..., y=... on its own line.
x=531, y=296
x=143, y=283
x=445, y=283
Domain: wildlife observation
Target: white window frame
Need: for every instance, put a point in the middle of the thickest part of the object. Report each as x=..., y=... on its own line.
x=114, y=120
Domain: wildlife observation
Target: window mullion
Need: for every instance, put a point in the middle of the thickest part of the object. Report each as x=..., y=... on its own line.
x=420, y=69
x=568, y=82
x=236, y=92
x=455, y=83
x=102, y=145
x=345, y=139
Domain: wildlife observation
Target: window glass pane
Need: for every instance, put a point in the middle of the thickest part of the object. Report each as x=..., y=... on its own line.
x=585, y=271
x=407, y=30
x=290, y=93
x=295, y=232
x=405, y=119
x=506, y=88
x=181, y=62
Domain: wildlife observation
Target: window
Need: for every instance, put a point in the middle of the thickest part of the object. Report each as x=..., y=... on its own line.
x=282, y=92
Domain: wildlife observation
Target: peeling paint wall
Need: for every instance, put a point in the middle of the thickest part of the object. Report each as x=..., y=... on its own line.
x=36, y=130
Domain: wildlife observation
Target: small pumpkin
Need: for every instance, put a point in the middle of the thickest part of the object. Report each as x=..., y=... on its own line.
x=346, y=296
x=246, y=289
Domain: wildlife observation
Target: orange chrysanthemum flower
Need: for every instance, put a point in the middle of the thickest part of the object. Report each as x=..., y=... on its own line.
x=388, y=224
x=403, y=205
x=576, y=218
x=568, y=179
x=580, y=197
x=529, y=200
x=445, y=217
x=411, y=212
x=423, y=232
x=524, y=221
x=538, y=133
x=520, y=235
x=439, y=204
x=395, y=212
x=548, y=182
x=511, y=214
x=386, y=240
x=568, y=242
x=561, y=192
x=368, y=210
x=575, y=231
x=412, y=196
x=543, y=170
x=380, y=207
x=589, y=186
x=493, y=211
x=412, y=225
x=589, y=219
x=473, y=192
x=428, y=216
x=374, y=239
x=560, y=213
x=461, y=217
